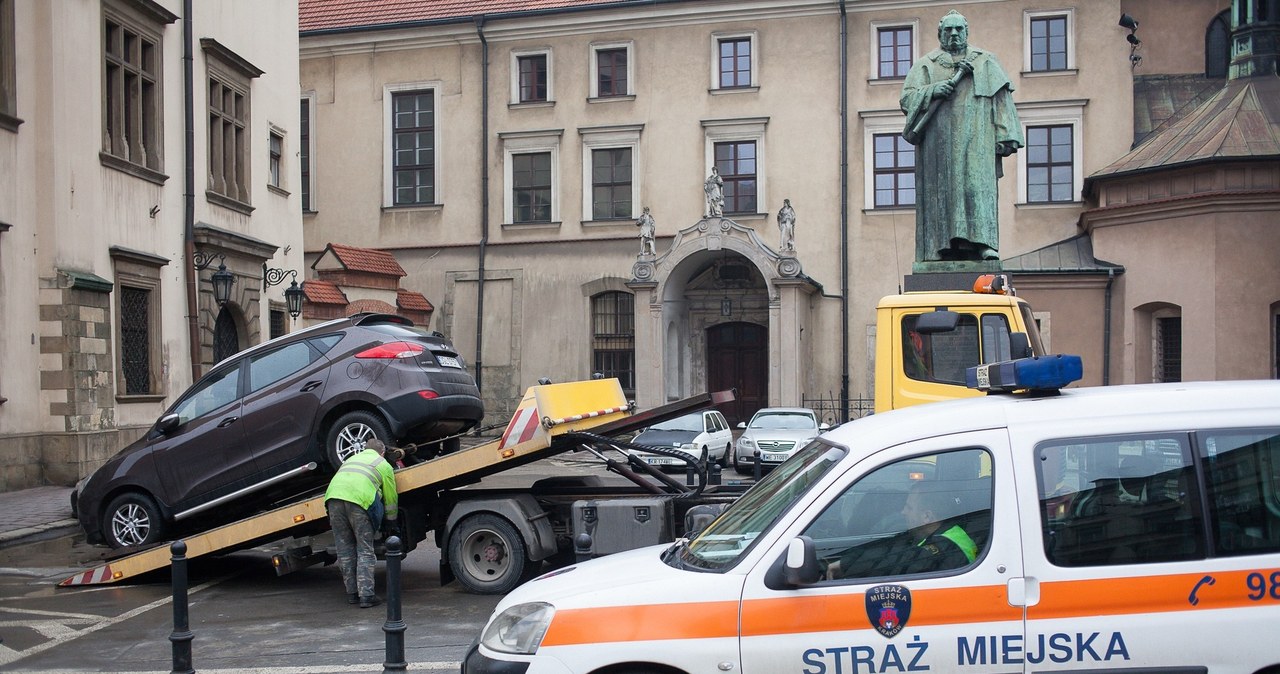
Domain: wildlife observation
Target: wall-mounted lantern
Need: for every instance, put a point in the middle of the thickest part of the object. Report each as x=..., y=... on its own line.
x=222, y=279
x=292, y=295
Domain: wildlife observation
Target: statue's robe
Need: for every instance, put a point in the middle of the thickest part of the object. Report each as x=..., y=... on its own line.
x=956, y=160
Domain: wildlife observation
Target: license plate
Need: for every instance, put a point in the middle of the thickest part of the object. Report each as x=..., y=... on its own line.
x=659, y=461
x=769, y=456
x=449, y=361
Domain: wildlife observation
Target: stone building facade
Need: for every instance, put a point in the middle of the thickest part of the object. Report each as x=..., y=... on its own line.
x=106, y=319
x=503, y=152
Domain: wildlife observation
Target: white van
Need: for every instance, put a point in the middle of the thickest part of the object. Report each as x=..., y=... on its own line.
x=1125, y=529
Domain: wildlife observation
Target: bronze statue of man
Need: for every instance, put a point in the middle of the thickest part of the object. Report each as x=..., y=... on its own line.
x=962, y=120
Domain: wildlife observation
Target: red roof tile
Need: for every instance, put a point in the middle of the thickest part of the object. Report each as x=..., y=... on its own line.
x=411, y=301
x=367, y=260
x=323, y=292
x=322, y=15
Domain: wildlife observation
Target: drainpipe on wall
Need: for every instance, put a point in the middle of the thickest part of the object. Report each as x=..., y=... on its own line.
x=1106, y=329
x=189, y=189
x=844, y=214
x=484, y=199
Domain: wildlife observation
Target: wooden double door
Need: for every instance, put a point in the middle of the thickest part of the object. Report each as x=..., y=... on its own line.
x=738, y=358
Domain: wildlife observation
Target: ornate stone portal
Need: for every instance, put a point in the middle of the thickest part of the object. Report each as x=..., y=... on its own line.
x=718, y=272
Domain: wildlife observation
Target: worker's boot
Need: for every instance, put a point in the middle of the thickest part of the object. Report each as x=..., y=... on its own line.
x=370, y=601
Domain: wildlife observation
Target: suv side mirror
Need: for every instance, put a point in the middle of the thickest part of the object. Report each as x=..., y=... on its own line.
x=167, y=423
x=801, y=566
x=1019, y=346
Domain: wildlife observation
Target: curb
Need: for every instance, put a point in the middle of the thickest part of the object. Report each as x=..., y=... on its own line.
x=16, y=535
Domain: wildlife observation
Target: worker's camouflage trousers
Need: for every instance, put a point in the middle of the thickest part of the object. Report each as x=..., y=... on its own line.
x=353, y=534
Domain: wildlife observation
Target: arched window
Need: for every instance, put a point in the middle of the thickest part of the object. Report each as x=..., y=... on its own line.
x=613, y=337
x=1217, y=46
x=226, y=339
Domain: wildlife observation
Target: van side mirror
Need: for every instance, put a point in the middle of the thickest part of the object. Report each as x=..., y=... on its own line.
x=1019, y=346
x=167, y=423
x=939, y=320
x=801, y=566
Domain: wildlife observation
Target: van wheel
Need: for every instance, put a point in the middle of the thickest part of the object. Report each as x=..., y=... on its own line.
x=348, y=434
x=132, y=520
x=488, y=556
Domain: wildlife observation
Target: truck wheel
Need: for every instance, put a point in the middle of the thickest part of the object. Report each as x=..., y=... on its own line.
x=487, y=555
x=132, y=519
x=348, y=434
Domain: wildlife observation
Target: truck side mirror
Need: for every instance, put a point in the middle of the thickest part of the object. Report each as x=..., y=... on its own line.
x=939, y=320
x=1019, y=346
x=801, y=566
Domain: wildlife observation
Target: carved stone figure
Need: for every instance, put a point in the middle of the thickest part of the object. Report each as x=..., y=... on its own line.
x=647, y=233
x=713, y=187
x=787, y=225
x=962, y=120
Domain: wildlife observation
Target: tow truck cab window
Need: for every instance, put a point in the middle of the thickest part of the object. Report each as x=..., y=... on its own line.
x=926, y=514
x=943, y=356
x=1136, y=499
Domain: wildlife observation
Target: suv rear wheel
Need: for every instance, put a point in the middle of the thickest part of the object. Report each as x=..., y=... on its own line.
x=348, y=434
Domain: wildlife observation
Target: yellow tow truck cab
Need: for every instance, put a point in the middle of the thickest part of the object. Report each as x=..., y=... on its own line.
x=926, y=340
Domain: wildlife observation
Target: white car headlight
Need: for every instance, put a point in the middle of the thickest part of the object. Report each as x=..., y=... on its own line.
x=519, y=629
x=746, y=443
x=689, y=447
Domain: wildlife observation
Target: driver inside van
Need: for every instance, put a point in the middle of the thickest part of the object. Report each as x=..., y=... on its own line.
x=927, y=546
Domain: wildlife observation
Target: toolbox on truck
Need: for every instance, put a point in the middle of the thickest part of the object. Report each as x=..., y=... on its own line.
x=614, y=525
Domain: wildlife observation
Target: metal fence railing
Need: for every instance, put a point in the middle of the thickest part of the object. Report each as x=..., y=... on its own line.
x=828, y=408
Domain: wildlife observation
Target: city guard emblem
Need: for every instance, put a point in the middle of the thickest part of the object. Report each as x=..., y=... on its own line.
x=888, y=608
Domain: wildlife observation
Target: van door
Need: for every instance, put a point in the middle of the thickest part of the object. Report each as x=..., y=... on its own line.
x=919, y=551
x=1136, y=552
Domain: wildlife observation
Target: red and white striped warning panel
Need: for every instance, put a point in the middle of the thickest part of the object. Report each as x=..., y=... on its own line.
x=523, y=426
x=102, y=574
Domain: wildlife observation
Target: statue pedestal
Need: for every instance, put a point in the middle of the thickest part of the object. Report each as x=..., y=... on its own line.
x=948, y=275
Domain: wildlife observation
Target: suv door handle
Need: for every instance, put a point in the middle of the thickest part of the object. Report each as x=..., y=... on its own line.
x=311, y=385
x=227, y=422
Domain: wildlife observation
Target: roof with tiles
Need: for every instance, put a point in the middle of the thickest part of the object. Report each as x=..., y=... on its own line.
x=330, y=15
x=413, y=301
x=1241, y=122
x=366, y=260
x=371, y=306
x=323, y=292
x=1071, y=256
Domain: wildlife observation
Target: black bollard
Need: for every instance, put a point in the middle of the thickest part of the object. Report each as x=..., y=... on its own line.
x=181, y=636
x=394, y=627
x=714, y=474
x=688, y=474
x=756, y=468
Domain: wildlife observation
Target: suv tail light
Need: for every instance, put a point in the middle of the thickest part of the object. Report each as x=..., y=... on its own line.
x=392, y=350
x=428, y=394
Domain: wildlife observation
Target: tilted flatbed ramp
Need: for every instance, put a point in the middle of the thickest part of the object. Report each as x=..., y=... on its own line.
x=545, y=414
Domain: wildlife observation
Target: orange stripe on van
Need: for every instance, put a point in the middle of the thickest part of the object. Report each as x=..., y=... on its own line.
x=649, y=622
x=1142, y=594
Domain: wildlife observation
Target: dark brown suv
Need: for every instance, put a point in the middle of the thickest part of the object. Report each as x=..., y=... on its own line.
x=275, y=420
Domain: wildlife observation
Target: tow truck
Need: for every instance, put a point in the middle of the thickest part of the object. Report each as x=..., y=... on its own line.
x=492, y=540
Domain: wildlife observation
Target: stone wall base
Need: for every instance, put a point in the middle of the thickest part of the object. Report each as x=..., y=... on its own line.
x=58, y=459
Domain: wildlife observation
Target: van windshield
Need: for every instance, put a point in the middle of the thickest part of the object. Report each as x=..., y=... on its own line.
x=721, y=544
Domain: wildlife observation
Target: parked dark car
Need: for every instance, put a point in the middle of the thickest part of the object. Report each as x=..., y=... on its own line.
x=247, y=431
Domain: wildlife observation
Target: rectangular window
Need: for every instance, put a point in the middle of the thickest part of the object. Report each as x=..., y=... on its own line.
x=736, y=162
x=131, y=91
x=735, y=62
x=1243, y=480
x=613, y=338
x=1120, y=500
x=895, y=171
x=533, y=78
x=611, y=72
x=135, y=346
x=1048, y=43
x=275, y=151
x=413, y=147
x=893, y=52
x=531, y=182
x=304, y=154
x=228, y=140
x=8, y=70
x=1050, y=164
x=1168, y=344
x=611, y=183
x=277, y=324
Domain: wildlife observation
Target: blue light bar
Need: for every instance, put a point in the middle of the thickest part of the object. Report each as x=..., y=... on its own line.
x=1038, y=373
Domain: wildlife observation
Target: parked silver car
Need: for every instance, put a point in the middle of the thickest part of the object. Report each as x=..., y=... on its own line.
x=776, y=432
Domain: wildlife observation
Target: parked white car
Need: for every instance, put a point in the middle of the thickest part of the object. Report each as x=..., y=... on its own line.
x=690, y=433
x=777, y=432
